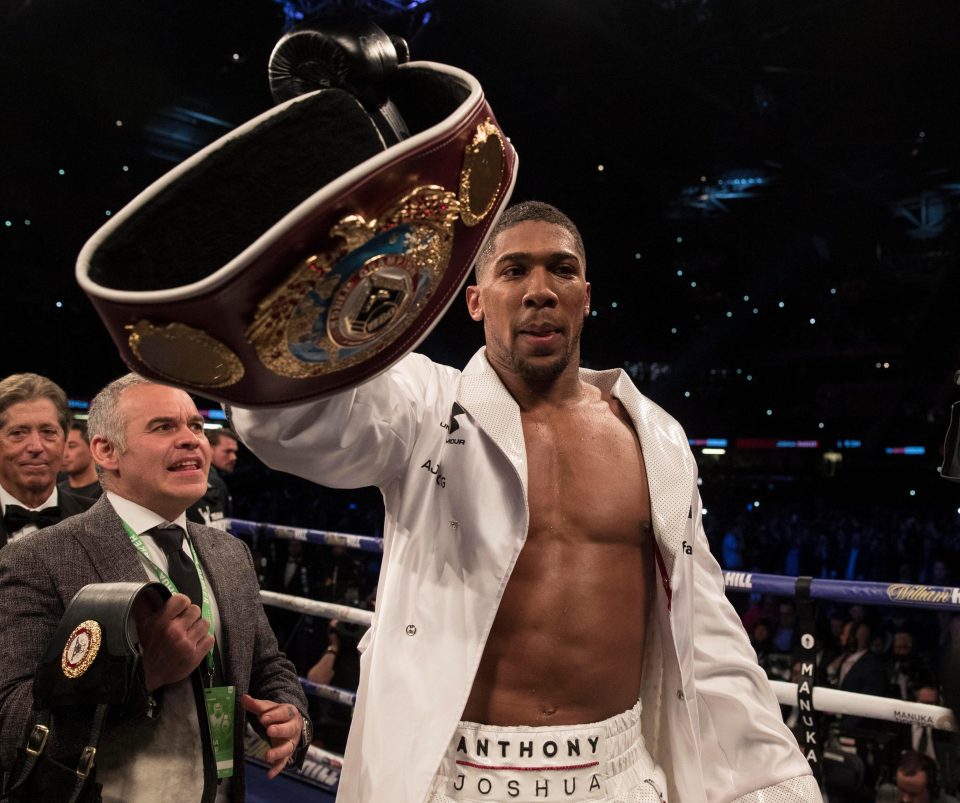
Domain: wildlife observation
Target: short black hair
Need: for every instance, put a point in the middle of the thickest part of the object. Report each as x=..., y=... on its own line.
x=537, y=211
x=81, y=427
x=913, y=762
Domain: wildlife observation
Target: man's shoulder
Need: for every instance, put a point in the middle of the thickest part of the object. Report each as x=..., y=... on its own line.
x=420, y=367
x=644, y=410
x=216, y=479
x=214, y=536
x=87, y=494
x=72, y=503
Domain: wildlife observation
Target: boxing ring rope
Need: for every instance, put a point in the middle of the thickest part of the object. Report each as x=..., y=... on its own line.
x=364, y=543
x=835, y=701
x=809, y=697
x=312, y=607
x=932, y=598
x=326, y=692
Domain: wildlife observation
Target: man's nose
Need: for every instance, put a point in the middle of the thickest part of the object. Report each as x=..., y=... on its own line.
x=188, y=438
x=539, y=290
x=34, y=441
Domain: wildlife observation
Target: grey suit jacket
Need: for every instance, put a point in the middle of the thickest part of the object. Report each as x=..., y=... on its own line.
x=40, y=574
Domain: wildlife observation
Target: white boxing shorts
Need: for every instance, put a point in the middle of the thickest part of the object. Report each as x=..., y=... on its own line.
x=605, y=762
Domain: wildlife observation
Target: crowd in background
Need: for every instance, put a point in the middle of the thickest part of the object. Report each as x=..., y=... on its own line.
x=894, y=652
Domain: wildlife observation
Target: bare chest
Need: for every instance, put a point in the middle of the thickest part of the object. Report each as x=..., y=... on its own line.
x=586, y=478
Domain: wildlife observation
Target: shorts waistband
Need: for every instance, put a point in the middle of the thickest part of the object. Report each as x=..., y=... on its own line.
x=568, y=762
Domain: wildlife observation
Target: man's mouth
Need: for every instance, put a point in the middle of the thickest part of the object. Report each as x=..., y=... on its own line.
x=187, y=464
x=540, y=330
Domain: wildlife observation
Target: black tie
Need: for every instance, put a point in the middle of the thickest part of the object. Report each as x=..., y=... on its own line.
x=16, y=518
x=181, y=568
x=185, y=578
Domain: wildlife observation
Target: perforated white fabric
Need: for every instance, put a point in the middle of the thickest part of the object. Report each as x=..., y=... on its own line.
x=796, y=790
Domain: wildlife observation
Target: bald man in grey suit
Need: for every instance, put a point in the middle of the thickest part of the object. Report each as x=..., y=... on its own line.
x=149, y=444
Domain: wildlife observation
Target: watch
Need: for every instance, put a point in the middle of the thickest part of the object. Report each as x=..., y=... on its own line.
x=306, y=731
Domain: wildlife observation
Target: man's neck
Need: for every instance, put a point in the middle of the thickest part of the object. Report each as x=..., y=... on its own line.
x=86, y=477
x=141, y=516
x=30, y=498
x=530, y=394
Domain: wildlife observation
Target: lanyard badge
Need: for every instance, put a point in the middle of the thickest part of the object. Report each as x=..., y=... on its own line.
x=221, y=709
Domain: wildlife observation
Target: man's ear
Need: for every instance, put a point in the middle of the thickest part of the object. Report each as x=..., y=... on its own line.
x=104, y=453
x=586, y=303
x=474, y=303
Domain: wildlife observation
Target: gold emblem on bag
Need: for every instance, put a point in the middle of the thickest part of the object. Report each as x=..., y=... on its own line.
x=183, y=354
x=81, y=649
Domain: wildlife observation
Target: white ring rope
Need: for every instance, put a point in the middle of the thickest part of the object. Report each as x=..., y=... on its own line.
x=835, y=701
x=312, y=607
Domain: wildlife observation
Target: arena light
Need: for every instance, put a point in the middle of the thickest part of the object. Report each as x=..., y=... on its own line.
x=709, y=450
x=713, y=443
x=775, y=443
x=907, y=450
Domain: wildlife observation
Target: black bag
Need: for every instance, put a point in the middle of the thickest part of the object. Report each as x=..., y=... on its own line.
x=91, y=663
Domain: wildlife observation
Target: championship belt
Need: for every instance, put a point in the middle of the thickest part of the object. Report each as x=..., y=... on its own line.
x=315, y=245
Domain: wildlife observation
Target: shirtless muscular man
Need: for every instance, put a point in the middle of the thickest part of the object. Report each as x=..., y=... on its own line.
x=550, y=622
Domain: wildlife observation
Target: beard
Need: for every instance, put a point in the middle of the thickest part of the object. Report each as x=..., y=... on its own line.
x=541, y=372
x=537, y=372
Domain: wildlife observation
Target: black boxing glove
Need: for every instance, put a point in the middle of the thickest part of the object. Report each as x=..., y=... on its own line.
x=348, y=53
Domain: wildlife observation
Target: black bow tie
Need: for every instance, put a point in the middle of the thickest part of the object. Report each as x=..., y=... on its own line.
x=15, y=518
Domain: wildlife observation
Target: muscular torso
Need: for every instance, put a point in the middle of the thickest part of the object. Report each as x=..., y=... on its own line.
x=567, y=644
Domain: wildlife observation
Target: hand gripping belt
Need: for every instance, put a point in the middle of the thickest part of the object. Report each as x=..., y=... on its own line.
x=317, y=244
x=91, y=663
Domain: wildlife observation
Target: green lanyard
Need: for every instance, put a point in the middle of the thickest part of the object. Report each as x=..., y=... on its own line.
x=163, y=577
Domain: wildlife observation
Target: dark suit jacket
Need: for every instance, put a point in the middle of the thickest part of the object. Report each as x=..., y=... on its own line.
x=39, y=575
x=70, y=505
x=869, y=675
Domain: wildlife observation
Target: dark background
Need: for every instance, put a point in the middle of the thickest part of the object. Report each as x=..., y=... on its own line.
x=795, y=152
